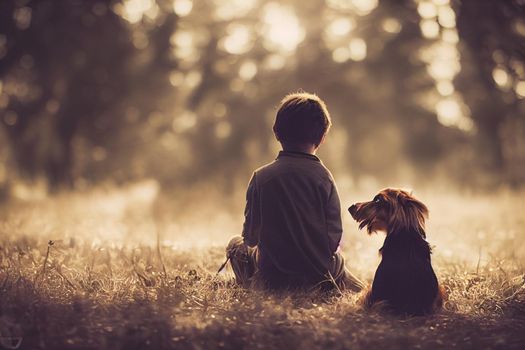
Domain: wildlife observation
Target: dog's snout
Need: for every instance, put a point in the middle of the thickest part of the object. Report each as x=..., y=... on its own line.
x=352, y=209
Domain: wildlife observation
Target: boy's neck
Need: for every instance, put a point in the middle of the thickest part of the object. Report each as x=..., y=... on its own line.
x=308, y=148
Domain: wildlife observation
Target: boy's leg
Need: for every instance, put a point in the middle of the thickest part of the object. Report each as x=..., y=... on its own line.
x=242, y=259
x=343, y=277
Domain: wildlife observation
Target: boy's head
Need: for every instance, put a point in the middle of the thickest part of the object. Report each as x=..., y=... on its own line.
x=302, y=118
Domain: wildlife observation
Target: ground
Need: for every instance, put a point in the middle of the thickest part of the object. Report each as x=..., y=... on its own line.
x=108, y=269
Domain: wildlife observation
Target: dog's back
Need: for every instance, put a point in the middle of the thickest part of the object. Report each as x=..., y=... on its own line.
x=405, y=280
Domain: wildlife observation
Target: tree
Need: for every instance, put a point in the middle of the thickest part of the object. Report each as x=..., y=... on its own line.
x=493, y=58
x=71, y=69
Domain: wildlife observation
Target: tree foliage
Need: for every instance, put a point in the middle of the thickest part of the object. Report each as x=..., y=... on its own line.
x=183, y=90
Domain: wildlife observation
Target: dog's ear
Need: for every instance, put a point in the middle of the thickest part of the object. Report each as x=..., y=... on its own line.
x=407, y=213
x=406, y=191
x=418, y=212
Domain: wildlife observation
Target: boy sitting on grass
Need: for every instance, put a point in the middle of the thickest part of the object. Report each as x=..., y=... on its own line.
x=292, y=226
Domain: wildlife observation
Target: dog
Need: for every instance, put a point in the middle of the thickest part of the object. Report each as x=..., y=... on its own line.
x=404, y=282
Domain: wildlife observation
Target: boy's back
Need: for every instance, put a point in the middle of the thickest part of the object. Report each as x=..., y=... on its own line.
x=293, y=216
x=292, y=222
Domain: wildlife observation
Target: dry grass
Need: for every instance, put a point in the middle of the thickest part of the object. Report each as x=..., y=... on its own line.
x=100, y=283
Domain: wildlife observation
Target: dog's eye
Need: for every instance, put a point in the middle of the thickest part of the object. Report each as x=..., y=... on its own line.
x=377, y=199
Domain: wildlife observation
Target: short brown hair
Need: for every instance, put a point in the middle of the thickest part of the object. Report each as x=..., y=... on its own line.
x=302, y=118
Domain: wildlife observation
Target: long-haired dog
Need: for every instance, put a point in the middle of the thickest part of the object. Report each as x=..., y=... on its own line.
x=404, y=281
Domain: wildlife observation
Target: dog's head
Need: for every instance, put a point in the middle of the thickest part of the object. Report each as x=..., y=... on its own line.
x=391, y=210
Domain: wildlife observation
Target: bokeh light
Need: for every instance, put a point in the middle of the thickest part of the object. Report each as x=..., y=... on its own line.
x=207, y=76
x=281, y=28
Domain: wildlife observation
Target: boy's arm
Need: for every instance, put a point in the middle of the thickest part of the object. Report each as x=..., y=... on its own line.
x=252, y=219
x=333, y=219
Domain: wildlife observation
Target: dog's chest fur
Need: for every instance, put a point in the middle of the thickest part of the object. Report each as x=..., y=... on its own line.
x=405, y=278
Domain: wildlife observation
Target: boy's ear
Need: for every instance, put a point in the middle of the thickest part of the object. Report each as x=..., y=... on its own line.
x=322, y=140
x=276, y=134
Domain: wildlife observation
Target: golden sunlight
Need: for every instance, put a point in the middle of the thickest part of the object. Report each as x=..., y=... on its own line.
x=183, y=45
x=429, y=28
x=227, y=10
x=360, y=7
x=238, y=41
x=183, y=122
x=248, y=70
x=341, y=54
x=182, y=7
x=446, y=17
x=450, y=36
x=441, y=2
x=427, y=9
x=340, y=27
x=364, y=7
x=391, y=25
x=449, y=113
x=445, y=87
x=193, y=78
x=441, y=69
x=501, y=77
x=134, y=10
x=282, y=30
x=520, y=89
x=357, y=48
x=274, y=62
x=443, y=62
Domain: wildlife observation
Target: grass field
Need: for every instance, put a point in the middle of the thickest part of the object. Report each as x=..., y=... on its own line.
x=84, y=271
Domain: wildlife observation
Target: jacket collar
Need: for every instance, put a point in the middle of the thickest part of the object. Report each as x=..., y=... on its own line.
x=298, y=155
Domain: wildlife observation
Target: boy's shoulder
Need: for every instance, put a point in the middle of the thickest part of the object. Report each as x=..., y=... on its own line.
x=295, y=165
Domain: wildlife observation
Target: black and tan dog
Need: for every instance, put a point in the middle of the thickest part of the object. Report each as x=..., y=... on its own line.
x=404, y=281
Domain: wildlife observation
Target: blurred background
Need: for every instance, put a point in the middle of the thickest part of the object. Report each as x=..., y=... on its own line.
x=184, y=92
x=134, y=121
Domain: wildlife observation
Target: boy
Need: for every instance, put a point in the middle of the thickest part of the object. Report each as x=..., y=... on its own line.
x=292, y=226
